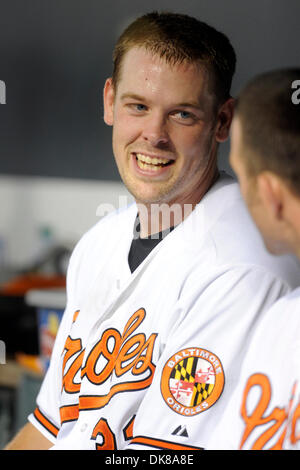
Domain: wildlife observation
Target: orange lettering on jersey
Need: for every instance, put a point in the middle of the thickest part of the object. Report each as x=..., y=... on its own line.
x=276, y=418
x=134, y=321
x=101, y=350
x=112, y=353
x=109, y=440
x=129, y=353
x=75, y=316
x=141, y=361
x=72, y=347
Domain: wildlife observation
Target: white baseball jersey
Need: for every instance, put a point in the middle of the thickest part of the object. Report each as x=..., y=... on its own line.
x=149, y=359
x=264, y=412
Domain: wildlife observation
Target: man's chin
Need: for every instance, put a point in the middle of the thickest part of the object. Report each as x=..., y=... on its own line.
x=149, y=195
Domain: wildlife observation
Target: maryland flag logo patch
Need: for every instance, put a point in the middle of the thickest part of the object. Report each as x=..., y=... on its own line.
x=192, y=381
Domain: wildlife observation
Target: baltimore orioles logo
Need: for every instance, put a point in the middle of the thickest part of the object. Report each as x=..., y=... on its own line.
x=118, y=354
x=192, y=381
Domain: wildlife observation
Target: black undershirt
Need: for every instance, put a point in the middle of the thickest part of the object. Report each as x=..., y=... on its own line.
x=141, y=247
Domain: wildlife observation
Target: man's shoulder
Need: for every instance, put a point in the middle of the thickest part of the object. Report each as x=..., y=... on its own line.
x=280, y=324
x=236, y=239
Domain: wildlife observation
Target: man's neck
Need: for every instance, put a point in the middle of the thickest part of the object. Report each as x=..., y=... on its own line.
x=159, y=216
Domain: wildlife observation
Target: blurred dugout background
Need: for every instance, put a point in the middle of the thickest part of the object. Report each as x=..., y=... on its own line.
x=56, y=162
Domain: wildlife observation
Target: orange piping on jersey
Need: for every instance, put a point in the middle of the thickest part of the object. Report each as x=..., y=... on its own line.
x=160, y=444
x=41, y=418
x=69, y=413
x=278, y=416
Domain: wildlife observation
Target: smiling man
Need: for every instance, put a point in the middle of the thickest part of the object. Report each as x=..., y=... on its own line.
x=162, y=122
x=165, y=127
x=155, y=328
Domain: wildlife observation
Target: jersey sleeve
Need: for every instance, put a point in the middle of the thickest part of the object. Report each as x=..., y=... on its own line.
x=264, y=408
x=201, y=361
x=46, y=417
x=46, y=414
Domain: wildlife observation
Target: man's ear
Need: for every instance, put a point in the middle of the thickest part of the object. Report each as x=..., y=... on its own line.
x=108, y=102
x=271, y=193
x=225, y=116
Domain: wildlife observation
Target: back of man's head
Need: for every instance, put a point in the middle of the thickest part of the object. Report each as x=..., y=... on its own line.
x=270, y=126
x=178, y=38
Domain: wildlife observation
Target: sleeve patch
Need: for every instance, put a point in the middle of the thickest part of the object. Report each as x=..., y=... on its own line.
x=192, y=381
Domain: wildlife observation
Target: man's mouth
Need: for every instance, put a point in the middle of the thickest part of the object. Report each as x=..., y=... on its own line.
x=145, y=162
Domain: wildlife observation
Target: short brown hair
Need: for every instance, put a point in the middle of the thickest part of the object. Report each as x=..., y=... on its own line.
x=270, y=123
x=178, y=38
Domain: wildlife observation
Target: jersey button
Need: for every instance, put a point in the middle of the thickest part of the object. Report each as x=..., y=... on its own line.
x=83, y=427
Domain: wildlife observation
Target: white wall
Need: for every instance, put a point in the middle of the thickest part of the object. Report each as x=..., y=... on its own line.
x=69, y=207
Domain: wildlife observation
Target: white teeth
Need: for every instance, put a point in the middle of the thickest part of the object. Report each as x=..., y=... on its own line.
x=145, y=166
x=151, y=161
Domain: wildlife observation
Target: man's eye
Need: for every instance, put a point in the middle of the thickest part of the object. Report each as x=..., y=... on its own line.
x=137, y=107
x=184, y=116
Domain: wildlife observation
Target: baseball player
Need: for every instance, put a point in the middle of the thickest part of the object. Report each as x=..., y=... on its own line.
x=155, y=329
x=264, y=412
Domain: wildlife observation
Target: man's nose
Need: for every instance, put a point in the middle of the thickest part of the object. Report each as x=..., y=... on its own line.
x=155, y=130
